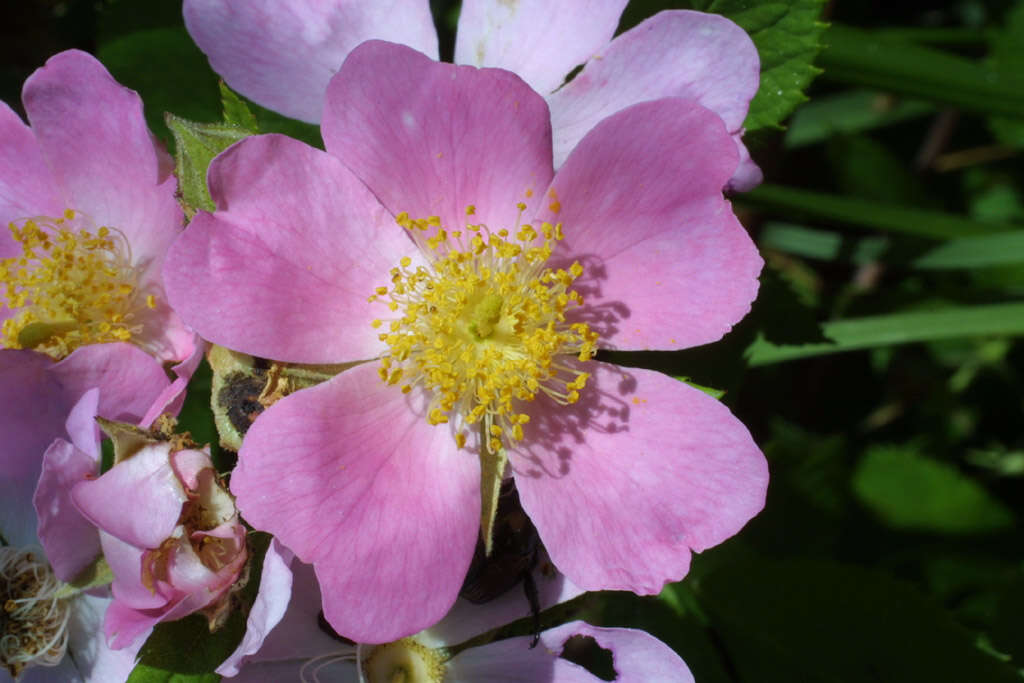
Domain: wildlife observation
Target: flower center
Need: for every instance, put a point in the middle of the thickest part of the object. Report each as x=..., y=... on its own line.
x=71, y=286
x=404, y=661
x=483, y=326
x=33, y=618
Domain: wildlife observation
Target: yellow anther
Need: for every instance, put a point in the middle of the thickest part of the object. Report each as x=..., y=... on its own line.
x=470, y=210
x=406, y=262
x=460, y=439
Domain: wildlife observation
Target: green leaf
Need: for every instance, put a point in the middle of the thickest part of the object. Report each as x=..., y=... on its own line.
x=821, y=621
x=910, y=491
x=716, y=394
x=975, y=252
x=792, y=203
x=898, y=328
x=1007, y=57
x=196, y=144
x=148, y=674
x=235, y=110
x=851, y=111
x=787, y=35
x=863, y=58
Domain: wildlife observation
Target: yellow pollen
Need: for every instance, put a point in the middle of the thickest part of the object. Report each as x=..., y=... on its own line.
x=70, y=286
x=482, y=328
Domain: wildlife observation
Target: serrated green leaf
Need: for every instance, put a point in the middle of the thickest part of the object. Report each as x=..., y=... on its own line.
x=196, y=144
x=235, y=110
x=898, y=328
x=148, y=674
x=907, y=490
x=824, y=622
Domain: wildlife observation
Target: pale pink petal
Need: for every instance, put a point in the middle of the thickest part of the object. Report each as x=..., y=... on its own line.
x=81, y=426
x=138, y=500
x=282, y=54
x=284, y=269
x=70, y=540
x=666, y=263
x=466, y=619
x=188, y=463
x=430, y=138
x=105, y=161
x=268, y=609
x=673, y=54
x=349, y=475
x=172, y=398
x=540, y=40
x=27, y=187
x=95, y=661
x=126, y=564
x=748, y=174
x=124, y=625
x=625, y=483
x=637, y=657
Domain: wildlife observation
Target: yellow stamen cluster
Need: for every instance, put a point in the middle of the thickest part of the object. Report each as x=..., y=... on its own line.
x=71, y=286
x=33, y=619
x=483, y=326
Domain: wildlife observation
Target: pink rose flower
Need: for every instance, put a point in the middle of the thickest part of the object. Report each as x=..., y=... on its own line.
x=170, y=533
x=376, y=483
x=282, y=55
x=300, y=648
x=88, y=195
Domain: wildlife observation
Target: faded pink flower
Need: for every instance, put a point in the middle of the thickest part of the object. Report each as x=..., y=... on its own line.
x=282, y=55
x=299, y=647
x=377, y=483
x=88, y=195
x=170, y=533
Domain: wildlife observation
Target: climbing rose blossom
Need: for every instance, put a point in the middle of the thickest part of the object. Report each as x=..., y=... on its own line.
x=170, y=533
x=87, y=203
x=300, y=649
x=483, y=306
x=282, y=55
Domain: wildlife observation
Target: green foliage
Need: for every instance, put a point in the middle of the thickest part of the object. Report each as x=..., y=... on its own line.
x=815, y=620
x=148, y=674
x=1007, y=58
x=910, y=491
x=196, y=144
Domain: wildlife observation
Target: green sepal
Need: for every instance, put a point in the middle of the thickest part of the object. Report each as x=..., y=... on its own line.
x=96, y=574
x=196, y=144
x=236, y=112
x=716, y=394
x=127, y=438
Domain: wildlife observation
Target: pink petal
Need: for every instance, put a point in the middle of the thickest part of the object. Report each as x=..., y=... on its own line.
x=282, y=55
x=104, y=159
x=124, y=625
x=422, y=135
x=673, y=54
x=539, y=40
x=138, y=500
x=666, y=263
x=126, y=564
x=349, y=475
x=69, y=539
x=622, y=485
x=284, y=269
x=637, y=657
x=82, y=428
x=466, y=620
x=27, y=187
x=268, y=609
x=172, y=398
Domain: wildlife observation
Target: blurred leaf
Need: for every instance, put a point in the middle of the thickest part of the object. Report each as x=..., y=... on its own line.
x=823, y=245
x=850, y=111
x=716, y=394
x=787, y=35
x=820, y=621
x=1007, y=57
x=196, y=144
x=898, y=328
x=975, y=252
x=910, y=491
x=1009, y=622
x=168, y=71
x=868, y=169
x=780, y=315
x=862, y=58
x=792, y=202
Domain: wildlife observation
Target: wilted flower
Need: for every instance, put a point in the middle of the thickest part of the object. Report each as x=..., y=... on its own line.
x=282, y=55
x=170, y=533
x=622, y=471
